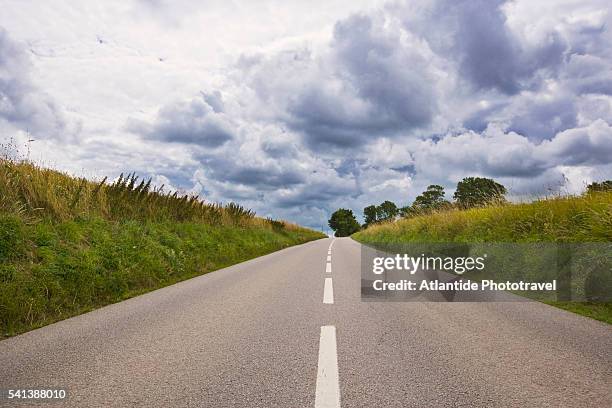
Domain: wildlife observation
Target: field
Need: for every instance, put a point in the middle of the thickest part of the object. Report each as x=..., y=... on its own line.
x=576, y=219
x=70, y=245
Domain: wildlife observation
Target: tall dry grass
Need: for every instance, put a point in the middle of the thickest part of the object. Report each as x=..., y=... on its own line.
x=38, y=193
x=69, y=245
x=573, y=219
x=586, y=218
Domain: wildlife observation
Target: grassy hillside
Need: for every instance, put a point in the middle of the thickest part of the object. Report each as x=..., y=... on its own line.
x=568, y=219
x=69, y=245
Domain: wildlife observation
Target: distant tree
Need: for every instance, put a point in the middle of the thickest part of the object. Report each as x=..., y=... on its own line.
x=343, y=222
x=478, y=191
x=370, y=215
x=407, y=211
x=430, y=200
x=386, y=211
x=597, y=187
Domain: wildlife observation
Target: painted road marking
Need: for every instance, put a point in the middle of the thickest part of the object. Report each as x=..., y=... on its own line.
x=328, y=258
x=328, y=267
x=328, y=292
x=327, y=394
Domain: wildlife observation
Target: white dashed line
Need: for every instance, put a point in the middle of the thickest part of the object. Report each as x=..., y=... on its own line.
x=328, y=388
x=328, y=292
x=328, y=258
x=328, y=267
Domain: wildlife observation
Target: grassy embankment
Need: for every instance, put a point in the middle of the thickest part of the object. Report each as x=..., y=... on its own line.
x=70, y=245
x=568, y=219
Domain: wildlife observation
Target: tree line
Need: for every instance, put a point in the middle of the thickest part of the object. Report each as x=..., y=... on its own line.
x=471, y=192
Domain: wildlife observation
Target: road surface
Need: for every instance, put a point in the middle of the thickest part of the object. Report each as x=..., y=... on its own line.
x=286, y=330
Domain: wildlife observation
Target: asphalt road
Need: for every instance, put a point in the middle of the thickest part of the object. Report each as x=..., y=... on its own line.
x=280, y=331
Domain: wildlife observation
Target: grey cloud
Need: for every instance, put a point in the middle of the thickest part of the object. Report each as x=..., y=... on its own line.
x=22, y=104
x=214, y=100
x=279, y=149
x=590, y=36
x=510, y=155
x=590, y=74
x=486, y=52
x=316, y=194
x=194, y=122
x=349, y=166
x=324, y=121
x=595, y=107
x=372, y=83
x=480, y=119
x=543, y=119
x=386, y=72
x=263, y=176
x=590, y=145
x=536, y=116
x=386, y=78
x=170, y=12
x=601, y=84
x=490, y=56
x=491, y=153
x=408, y=169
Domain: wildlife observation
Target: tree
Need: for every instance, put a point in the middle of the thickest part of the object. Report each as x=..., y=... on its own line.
x=370, y=215
x=597, y=187
x=406, y=211
x=386, y=211
x=343, y=222
x=478, y=191
x=430, y=200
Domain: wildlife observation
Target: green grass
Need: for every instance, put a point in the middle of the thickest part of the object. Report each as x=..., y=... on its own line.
x=577, y=219
x=567, y=219
x=597, y=311
x=69, y=245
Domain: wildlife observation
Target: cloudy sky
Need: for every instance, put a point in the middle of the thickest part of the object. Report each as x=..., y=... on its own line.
x=295, y=108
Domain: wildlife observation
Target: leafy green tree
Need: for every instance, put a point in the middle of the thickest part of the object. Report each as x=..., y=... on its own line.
x=430, y=200
x=407, y=211
x=597, y=187
x=386, y=211
x=370, y=215
x=343, y=222
x=478, y=191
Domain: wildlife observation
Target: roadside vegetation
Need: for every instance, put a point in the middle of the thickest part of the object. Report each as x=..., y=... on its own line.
x=69, y=245
x=471, y=192
x=343, y=222
x=586, y=218
x=479, y=213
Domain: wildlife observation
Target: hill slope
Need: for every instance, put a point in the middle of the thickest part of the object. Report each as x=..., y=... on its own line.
x=581, y=219
x=69, y=245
